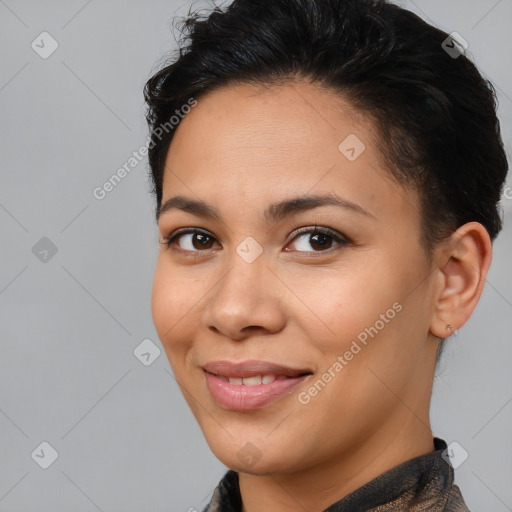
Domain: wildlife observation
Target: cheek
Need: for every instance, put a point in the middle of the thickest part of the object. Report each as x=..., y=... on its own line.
x=172, y=306
x=341, y=304
x=375, y=344
x=366, y=327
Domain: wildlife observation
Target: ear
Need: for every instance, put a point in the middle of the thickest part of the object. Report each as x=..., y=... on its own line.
x=463, y=265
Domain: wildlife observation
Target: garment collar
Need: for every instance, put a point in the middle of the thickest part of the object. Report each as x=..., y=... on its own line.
x=422, y=483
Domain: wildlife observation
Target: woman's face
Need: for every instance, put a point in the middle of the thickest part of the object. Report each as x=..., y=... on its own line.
x=336, y=322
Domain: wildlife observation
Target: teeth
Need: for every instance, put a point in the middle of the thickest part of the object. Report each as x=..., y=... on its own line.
x=252, y=381
x=256, y=380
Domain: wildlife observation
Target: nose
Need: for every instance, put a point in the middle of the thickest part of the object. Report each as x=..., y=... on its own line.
x=247, y=299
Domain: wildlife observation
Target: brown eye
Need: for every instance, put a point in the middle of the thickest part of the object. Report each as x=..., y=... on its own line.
x=318, y=239
x=191, y=240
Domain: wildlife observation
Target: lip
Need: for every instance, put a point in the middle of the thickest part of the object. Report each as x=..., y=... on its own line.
x=252, y=367
x=244, y=397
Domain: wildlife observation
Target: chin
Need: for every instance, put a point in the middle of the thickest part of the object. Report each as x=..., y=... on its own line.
x=256, y=468
x=253, y=458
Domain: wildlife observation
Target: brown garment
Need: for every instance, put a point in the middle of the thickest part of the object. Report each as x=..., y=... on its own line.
x=421, y=484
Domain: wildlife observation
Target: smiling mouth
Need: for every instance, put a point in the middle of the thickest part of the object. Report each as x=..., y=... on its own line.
x=252, y=368
x=251, y=384
x=255, y=380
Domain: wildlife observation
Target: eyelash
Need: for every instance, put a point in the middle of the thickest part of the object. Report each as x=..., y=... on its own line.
x=337, y=237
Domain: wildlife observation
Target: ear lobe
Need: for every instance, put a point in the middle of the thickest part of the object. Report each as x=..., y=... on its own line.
x=466, y=259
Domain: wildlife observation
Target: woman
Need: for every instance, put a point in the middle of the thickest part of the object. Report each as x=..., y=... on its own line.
x=327, y=174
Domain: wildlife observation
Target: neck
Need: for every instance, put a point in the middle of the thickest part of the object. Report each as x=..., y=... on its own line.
x=316, y=488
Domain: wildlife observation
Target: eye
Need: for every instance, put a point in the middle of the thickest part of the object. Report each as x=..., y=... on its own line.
x=320, y=239
x=307, y=239
x=192, y=240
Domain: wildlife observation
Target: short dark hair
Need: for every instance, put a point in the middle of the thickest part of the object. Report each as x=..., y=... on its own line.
x=435, y=115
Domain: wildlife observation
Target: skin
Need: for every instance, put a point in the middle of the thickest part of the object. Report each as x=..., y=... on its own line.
x=301, y=303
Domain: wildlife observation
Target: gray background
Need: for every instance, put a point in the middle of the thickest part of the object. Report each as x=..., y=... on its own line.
x=125, y=437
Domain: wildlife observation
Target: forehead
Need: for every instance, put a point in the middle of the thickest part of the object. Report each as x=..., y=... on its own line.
x=247, y=144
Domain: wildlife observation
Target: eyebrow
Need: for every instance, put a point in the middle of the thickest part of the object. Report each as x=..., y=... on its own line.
x=273, y=213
